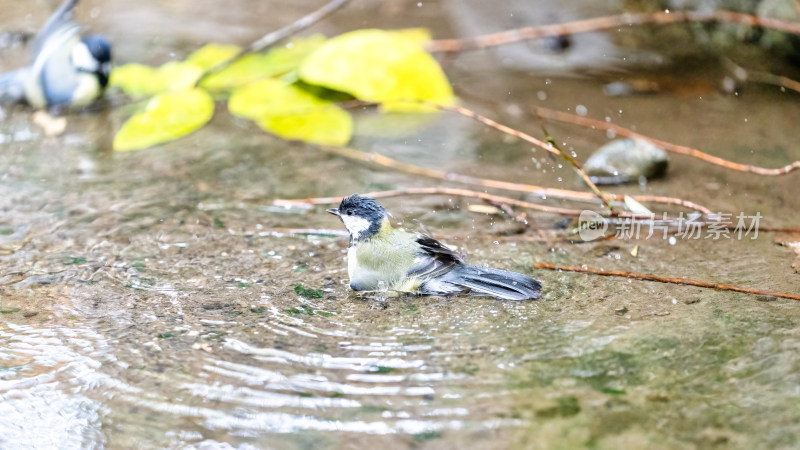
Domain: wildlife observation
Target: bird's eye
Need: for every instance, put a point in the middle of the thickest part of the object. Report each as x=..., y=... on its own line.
x=349, y=212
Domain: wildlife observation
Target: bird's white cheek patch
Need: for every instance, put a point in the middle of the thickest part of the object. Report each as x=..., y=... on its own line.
x=82, y=58
x=355, y=225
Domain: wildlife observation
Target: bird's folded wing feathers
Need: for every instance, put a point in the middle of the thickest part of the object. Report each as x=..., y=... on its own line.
x=433, y=260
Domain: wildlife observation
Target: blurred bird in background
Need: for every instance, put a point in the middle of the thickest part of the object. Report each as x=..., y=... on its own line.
x=66, y=70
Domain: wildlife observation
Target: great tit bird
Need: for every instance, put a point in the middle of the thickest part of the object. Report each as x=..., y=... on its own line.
x=382, y=257
x=67, y=70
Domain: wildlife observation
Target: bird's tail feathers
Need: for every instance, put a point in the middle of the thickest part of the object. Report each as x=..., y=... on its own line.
x=12, y=86
x=496, y=283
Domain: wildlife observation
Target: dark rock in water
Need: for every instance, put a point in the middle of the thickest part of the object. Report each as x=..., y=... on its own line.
x=626, y=161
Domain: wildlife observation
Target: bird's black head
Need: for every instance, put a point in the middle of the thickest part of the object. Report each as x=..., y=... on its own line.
x=100, y=50
x=362, y=216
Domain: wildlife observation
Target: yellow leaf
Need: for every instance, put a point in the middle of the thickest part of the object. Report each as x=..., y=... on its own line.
x=326, y=126
x=254, y=67
x=138, y=80
x=287, y=58
x=212, y=54
x=166, y=117
x=135, y=79
x=289, y=112
x=419, y=35
x=379, y=66
x=178, y=76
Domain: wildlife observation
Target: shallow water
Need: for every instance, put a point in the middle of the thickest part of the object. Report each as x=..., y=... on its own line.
x=148, y=299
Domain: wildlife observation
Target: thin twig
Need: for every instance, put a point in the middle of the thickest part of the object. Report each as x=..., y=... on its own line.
x=296, y=26
x=672, y=201
x=761, y=77
x=528, y=138
x=564, y=194
x=436, y=191
x=607, y=22
x=675, y=148
x=649, y=277
x=507, y=201
x=276, y=36
x=489, y=198
x=604, y=197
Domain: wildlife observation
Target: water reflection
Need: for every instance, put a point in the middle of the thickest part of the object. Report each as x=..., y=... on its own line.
x=47, y=379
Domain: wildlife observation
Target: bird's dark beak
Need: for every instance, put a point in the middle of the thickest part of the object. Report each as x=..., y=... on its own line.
x=334, y=211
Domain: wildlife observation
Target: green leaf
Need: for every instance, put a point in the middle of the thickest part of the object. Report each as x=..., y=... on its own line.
x=308, y=292
x=138, y=80
x=167, y=117
x=254, y=67
x=70, y=260
x=291, y=113
x=379, y=66
x=212, y=54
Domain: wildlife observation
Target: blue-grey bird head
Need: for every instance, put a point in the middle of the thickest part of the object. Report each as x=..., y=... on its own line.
x=98, y=59
x=362, y=216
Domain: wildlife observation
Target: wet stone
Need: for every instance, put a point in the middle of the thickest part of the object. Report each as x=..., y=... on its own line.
x=626, y=161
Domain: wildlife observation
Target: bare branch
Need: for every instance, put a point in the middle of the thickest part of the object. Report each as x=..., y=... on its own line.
x=649, y=277
x=675, y=148
x=276, y=36
x=605, y=23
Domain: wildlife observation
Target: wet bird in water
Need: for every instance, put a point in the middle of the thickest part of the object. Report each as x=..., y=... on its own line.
x=381, y=257
x=66, y=70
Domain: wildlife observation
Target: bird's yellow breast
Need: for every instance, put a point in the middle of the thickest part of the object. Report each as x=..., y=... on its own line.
x=383, y=261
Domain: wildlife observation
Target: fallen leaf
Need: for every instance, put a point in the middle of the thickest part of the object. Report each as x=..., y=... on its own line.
x=484, y=209
x=166, y=117
x=138, y=80
x=289, y=112
x=379, y=66
x=636, y=207
x=256, y=66
x=790, y=240
x=210, y=55
x=52, y=126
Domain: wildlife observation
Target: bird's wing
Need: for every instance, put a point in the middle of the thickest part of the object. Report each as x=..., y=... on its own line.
x=58, y=19
x=434, y=259
x=53, y=77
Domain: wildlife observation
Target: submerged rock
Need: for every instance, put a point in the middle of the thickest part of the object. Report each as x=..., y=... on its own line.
x=626, y=161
